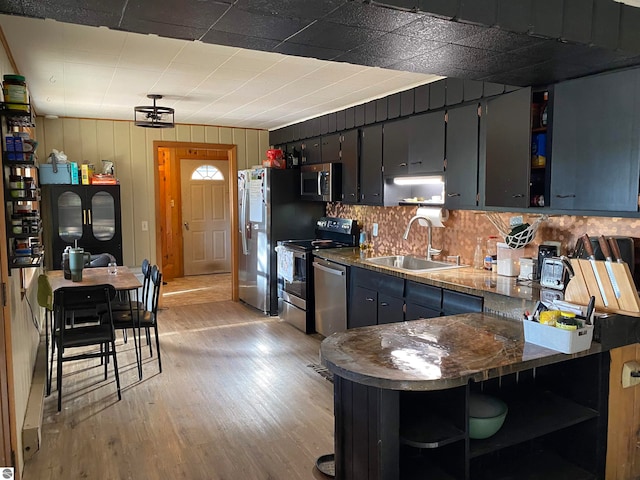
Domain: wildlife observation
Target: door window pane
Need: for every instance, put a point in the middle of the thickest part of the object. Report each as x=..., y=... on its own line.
x=207, y=172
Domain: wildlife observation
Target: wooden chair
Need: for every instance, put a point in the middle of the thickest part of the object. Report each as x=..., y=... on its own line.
x=68, y=334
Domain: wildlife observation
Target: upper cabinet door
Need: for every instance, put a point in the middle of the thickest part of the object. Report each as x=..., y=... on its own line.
x=506, y=132
x=596, y=140
x=312, y=150
x=330, y=148
x=371, y=165
x=426, y=143
x=395, y=154
x=350, y=170
x=462, y=157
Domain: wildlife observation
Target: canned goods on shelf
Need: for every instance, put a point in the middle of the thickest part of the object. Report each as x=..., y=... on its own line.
x=14, y=89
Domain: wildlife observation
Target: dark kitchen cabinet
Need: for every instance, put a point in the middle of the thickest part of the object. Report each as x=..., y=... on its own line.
x=312, y=150
x=506, y=149
x=454, y=303
x=86, y=214
x=395, y=151
x=376, y=298
x=363, y=310
x=350, y=166
x=426, y=143
x=330, y=148
x=371, y=192
x=422, y=301
x=462, y=157
x=596, y=143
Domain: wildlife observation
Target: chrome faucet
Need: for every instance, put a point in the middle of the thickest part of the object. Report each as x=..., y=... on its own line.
x=420, y=218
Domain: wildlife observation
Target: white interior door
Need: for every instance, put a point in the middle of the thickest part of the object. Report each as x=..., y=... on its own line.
x=206, y=225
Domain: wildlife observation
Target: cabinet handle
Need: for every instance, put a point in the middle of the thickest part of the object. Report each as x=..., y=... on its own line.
x=517, y=195
x=416, y=163
x=569, y=195
x=453, y=194
x=84, y=217
x=403, y=164
x=376, y=194
x=89, y=214
x=384, y=304
x=352, y=194
x=369, y=299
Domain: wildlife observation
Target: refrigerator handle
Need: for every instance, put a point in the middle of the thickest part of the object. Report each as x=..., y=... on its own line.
x=243, y=220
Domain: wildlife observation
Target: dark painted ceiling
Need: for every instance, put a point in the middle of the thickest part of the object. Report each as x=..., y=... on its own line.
x=516, y=42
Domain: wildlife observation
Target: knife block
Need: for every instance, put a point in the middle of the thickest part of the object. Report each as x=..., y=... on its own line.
x=584, y=284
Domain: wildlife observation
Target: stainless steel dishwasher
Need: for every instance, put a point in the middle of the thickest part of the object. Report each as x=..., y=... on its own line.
x=330, y=291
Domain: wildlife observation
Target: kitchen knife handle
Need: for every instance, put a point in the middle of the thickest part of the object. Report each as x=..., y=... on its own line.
x=604, y=246
x=615, y=249
x=586, y=241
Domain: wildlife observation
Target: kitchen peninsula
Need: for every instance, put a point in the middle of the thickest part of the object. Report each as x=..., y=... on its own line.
x=401, y=402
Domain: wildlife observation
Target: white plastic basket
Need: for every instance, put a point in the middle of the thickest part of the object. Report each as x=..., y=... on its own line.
x=565, y=341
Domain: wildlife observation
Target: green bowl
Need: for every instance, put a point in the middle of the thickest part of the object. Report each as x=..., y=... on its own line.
x=486, y=415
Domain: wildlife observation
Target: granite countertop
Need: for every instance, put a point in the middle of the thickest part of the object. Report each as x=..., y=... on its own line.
x=435, y=353
x=464, y=279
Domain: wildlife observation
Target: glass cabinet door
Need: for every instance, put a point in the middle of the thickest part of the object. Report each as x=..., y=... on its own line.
x=103, y=216
x=69, y=217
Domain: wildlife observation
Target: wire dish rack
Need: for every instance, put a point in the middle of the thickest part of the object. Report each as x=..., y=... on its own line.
x=517, y=240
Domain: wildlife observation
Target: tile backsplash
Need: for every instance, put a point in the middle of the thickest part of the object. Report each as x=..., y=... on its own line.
x=462, y=228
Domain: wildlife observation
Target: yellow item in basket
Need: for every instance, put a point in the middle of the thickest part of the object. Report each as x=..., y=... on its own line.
x=549, y=317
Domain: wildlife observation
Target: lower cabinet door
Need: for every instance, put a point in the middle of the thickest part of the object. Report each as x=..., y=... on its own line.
x=364, y=307
x=390, y=309
x=415, y=311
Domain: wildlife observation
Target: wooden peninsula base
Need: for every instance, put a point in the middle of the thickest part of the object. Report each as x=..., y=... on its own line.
x=401, y=402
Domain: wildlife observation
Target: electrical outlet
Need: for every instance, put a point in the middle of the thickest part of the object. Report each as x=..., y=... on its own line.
x=627, y=379
x=374, y=232
x=145, y=226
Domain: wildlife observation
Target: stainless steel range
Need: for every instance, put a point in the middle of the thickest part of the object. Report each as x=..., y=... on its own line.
x=295, y=269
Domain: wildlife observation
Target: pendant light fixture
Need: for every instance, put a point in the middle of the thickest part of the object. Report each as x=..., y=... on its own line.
x=153, y=116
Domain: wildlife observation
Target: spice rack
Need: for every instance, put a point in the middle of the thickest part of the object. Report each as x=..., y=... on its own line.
x=22, y=192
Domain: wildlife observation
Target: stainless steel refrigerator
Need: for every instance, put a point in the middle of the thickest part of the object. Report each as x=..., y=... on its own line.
x=269, y=209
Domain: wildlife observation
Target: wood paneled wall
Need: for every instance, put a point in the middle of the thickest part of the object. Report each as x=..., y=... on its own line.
x=131, y=149
x=623, y=448
x=19, y=337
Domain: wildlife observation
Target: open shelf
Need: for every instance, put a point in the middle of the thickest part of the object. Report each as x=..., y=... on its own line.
x=25, y=261
x=540, y=465
x=430, y=431
x=532, y=416
x=419, y=467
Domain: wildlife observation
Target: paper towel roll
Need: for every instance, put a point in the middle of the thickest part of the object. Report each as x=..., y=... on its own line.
x=437, y=215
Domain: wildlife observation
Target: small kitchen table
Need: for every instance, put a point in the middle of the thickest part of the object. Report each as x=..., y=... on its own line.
x=123, y=281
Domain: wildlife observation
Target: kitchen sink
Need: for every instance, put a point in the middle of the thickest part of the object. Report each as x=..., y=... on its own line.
x=411, y=263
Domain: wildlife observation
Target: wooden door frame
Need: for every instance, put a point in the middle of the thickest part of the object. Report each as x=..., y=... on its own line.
x=233, y=199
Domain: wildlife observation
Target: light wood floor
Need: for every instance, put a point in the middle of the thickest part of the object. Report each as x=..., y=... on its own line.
x=236, y=401
x=196, y=289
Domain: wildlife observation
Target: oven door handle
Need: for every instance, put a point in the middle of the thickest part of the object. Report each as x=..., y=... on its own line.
x=328, y=270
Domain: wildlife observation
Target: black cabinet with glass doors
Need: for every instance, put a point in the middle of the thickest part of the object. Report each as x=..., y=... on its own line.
x=86, y=214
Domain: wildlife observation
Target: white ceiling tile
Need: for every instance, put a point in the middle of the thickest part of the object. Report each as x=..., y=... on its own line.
x=102, y=73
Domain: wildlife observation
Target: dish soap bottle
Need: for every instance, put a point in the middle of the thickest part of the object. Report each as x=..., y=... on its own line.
x=478, y=257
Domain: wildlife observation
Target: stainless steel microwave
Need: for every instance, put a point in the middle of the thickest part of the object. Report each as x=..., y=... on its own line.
x=321, y=182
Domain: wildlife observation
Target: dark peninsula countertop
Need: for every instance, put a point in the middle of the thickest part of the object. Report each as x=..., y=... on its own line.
x=436, y=353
